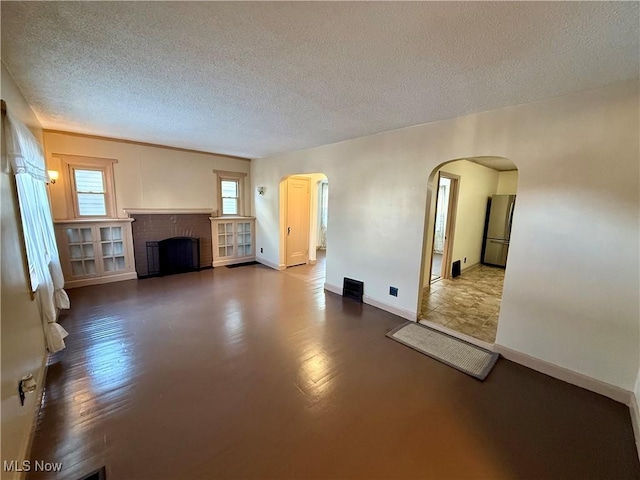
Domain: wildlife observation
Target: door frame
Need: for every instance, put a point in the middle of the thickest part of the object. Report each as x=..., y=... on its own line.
x=307, y=226
x=450, y=227
x=282, y=215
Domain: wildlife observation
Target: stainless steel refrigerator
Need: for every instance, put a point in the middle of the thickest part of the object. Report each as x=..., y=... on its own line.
x=498, y=230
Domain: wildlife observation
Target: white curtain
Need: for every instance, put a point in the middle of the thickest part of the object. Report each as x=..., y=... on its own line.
x=47, y=281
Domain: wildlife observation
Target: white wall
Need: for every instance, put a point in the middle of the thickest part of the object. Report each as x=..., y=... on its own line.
x=23, y=349
x=578, y=205
x=147, y=176
x=507, y=183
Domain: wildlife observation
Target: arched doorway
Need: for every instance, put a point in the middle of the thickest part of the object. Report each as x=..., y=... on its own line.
x=303, y=219
x=470, y=209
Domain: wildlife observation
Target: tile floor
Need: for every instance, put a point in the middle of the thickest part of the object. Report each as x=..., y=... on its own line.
x=468, y=304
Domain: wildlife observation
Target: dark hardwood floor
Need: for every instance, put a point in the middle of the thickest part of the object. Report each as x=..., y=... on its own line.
x=253, y=373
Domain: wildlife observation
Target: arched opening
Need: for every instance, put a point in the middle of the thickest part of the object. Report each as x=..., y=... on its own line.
x=469, y=216
x=304, y=220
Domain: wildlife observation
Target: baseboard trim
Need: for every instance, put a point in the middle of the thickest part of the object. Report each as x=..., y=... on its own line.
x=333, y=289
x=589, y=383
x=269, y=264
x=231, y=261
x=100, y=280
x=401, y=312
x=470, y=267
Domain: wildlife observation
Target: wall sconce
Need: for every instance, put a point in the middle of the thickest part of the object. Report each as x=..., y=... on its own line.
x=261, y=189
x=53, y=176
x=26, y=385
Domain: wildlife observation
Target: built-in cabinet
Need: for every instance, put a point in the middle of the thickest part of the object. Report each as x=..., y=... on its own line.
x=95, y=251
x=233, y=240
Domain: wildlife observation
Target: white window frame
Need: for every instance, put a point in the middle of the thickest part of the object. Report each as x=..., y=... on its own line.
x=238, y=177
x=70, y=163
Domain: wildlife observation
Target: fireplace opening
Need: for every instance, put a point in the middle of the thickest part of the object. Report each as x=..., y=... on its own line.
x=173, y=255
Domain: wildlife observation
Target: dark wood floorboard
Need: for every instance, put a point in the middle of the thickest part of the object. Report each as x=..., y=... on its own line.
x=253, y=373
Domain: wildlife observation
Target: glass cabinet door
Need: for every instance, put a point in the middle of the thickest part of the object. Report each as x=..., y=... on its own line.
x=243, y=234
x=225, y=239
x=81, y=252
x=95, y=251
x=113, y=257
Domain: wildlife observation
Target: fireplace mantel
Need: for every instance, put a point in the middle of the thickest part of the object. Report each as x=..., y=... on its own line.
x=168, y=211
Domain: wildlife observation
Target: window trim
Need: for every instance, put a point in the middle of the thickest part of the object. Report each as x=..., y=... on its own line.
x=236, y=197
x=76, y=192
x=70, y=163
x=234, y=177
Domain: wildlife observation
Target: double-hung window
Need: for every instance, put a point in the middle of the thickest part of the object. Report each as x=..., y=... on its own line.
x=89, y=183
x=230, y=192
x=90, y=192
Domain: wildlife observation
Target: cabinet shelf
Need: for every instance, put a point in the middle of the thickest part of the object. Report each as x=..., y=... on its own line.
x=233, y=240
x=95, y=252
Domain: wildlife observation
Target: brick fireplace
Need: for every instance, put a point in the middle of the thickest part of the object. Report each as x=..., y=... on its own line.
x=154, y=227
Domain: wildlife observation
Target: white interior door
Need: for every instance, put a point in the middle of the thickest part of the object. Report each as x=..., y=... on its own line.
x=297, y=225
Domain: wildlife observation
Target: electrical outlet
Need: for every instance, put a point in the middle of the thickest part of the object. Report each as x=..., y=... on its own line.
x=262, y=250
x=465, y=259
x=393, y=291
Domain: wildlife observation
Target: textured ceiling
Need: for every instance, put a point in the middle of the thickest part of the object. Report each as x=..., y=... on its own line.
x=254, y=79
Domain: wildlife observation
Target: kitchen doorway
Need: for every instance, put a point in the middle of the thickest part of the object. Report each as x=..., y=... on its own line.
x=462, y=275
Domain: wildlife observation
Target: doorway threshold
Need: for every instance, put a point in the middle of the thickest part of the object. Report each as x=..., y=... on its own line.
x=461, y=336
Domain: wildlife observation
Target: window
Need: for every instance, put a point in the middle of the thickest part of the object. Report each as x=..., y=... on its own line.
x=230, y=197
x=90, y=192
x=230, y=192
x=89, y=186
